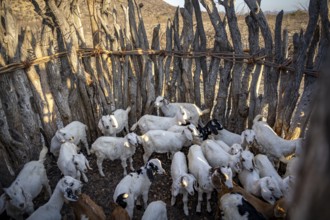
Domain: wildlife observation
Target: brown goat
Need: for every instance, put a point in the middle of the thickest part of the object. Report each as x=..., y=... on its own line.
x=267, y=210
x=86, y=207
x=118, y=213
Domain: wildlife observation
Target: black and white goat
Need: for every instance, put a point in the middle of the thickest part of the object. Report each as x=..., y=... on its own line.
x=137, y=184
x=234, y=207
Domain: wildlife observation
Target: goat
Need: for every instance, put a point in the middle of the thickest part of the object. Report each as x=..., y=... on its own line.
x=265, y=187
x=27, y=186
x=247, y=139
x=192, y=128
x=155, y=210
x=275, y=147
x=75, y=132
x=267, y=210
x=163, y=141
x=71, y=163
x=217, y=156
x=265, y=168
x=137, y=184
x=111, y=125
x=211, y=127
x=152, y=122
x=182, y=181
x=67, y=188
x=86, y=208
x=170, y=109
x=119, y=212
x=200, y=168
x=234, y=206
x=115, y=148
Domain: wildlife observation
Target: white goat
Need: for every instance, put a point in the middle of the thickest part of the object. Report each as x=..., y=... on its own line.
x=170, y=109
x=217, y=156
x=71, y=163
x=192, y=128
x=137, y=184
x=163, y=141
x=27, y=186
x=200, y=168
x=275, y=147
x=67, y=188
x=182, y=181
x=266, y=168
x=247, y=138
x=228, y=137
x=110, y=125
x=152, y=122
x=265, y=187
x=155, y=210
x=234, y=149
x=115, y=148
x=234, y=206
x=75, y=132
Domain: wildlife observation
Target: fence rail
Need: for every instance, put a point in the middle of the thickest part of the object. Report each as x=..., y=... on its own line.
x=90, y=52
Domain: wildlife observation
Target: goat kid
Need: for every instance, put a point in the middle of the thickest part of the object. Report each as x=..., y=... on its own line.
x=75, y=132
x=86, y=208
x=170, y=109
x=71, y=163
x=115, y=148
x=27, y=186
x=111, y=125
x=137, y=184
x=152, y=122
x=155, y=210
x=183, y=182
x=163, y=141
x=68, y=189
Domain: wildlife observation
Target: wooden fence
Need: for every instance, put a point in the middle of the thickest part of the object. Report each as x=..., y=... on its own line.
x=48, y=83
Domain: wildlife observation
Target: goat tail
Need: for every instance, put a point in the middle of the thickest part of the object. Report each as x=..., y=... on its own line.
x=128, y=109
x=43, y=153
x=134, y=126
x=257, y=118
x=205, y=111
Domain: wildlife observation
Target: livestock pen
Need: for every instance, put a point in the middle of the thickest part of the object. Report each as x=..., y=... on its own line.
x=51, y=77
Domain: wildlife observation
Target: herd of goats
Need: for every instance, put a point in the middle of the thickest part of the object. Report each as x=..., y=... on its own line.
x=214, y=158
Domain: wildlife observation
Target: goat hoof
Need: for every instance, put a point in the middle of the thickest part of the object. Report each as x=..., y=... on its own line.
x=139, y=207
x=198, y=213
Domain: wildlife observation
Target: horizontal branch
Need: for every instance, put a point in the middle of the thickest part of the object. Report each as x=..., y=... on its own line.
x=228, y=56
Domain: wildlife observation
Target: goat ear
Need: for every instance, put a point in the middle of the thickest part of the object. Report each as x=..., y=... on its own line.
x=166, y=102
x=150, y=175
x=100, y=124
x=126, y=144
x=113, y=121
